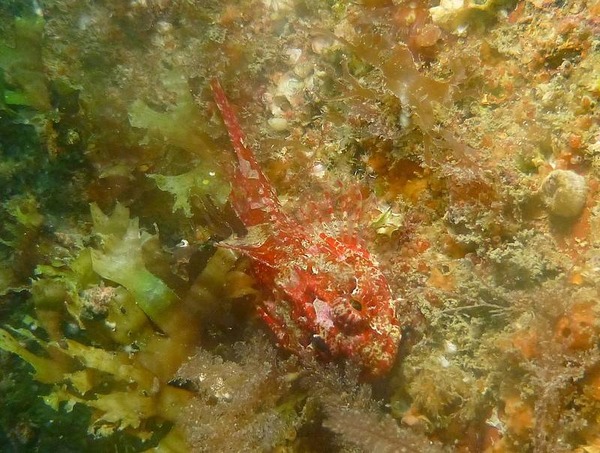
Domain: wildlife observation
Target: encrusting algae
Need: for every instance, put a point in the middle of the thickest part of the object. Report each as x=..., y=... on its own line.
x=402, y=256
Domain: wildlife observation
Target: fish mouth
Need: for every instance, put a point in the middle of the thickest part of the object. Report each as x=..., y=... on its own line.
x=379, y=354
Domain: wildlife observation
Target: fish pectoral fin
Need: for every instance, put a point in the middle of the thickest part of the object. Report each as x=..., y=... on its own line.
x=256, y=238
x=255, y=243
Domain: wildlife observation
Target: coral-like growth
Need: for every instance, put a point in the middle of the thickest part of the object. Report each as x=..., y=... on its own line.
x=375, y=433
x=243, y=403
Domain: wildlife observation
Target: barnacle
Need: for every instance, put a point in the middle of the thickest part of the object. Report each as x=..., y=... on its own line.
x=564, y=193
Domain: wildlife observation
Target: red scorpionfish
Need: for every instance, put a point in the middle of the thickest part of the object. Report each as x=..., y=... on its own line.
x=326, y=295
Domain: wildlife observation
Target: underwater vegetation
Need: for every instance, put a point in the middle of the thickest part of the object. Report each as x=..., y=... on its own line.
x=152, y=300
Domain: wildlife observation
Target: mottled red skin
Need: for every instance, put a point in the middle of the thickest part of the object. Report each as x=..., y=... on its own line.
x=324, y=294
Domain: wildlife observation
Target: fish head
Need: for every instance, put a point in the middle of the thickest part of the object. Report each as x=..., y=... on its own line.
x=355, y=314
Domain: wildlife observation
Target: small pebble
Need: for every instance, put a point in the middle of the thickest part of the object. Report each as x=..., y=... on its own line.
x=278, y=124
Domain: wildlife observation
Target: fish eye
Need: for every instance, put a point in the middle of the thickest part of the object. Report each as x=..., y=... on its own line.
x=355, y=303
x=349, y=315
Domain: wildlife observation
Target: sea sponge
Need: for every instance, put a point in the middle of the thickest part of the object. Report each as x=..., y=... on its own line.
x=564, y=193
x=518, y=415
x=577, y=329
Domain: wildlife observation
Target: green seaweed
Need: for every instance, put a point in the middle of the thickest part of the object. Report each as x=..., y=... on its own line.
x=121, y=261
x=181, y=124
x=23, y=67
x=199, y=182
